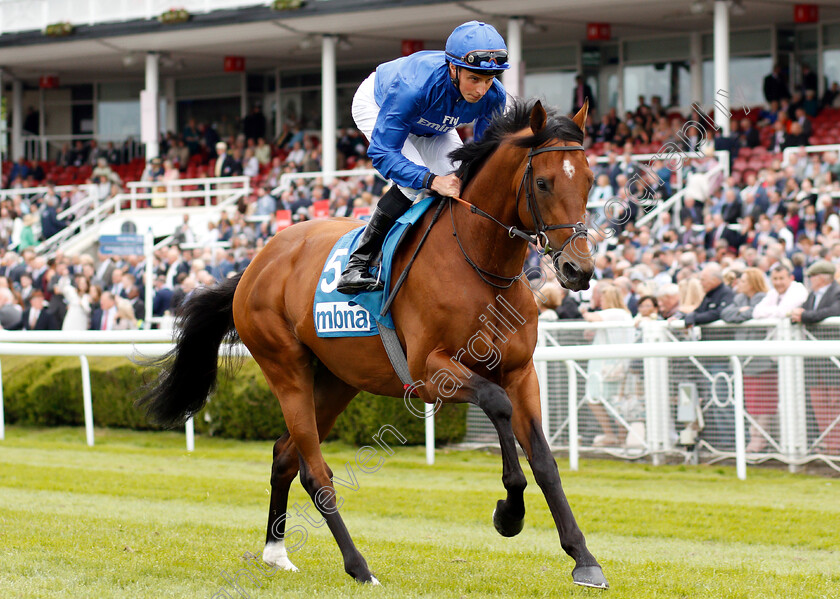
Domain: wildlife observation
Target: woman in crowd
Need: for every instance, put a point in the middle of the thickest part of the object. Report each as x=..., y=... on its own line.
x=78, y=305
x=605, y=378
x=691, y=294
x=760, y=376
x=126, y=321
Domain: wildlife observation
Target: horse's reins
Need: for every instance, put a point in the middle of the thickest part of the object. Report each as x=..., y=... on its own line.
x=534, y=237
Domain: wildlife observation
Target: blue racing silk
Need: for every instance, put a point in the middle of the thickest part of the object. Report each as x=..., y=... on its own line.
x=416, y=95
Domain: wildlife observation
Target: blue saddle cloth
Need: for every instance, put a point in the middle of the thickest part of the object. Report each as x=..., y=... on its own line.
x=340, y=315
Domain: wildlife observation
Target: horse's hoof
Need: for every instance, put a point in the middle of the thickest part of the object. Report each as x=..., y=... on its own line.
x=372, y=581
x=275, y=555
x=506, y=526
x=590, y=576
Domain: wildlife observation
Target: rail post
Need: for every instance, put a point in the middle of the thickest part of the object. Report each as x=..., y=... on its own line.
x=86, y=398
x=738, y=398
x=657, y=399
x=574, y=447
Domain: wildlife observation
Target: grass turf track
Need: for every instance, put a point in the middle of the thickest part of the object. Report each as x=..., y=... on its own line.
x=137, y=516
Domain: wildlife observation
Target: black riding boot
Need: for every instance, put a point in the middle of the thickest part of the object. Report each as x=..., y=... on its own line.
x=356, y=278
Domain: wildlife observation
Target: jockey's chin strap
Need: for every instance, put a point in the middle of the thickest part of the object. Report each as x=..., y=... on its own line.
x=539, y=236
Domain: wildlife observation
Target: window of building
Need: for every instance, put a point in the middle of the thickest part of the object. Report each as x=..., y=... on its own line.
x=746, y=74
x=555, y=87
x=671, y=81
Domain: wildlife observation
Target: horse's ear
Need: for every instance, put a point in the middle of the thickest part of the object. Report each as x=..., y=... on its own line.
x=580, y=117
x=537, y=117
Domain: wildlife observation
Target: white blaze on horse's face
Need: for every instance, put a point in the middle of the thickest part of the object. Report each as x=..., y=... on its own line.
x=569, y=169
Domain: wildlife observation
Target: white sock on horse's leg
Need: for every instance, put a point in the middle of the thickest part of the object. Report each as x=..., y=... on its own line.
x=274, y=554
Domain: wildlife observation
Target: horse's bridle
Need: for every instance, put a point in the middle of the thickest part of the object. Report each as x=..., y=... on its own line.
x=534, y=237
x=578, y=228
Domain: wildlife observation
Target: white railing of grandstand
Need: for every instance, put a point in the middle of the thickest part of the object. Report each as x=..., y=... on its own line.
x=287, y=178
x=789, y=153
x=28, y=192
x=48, y=147
x=211, y=188
x=224, y=189
x=29, y=15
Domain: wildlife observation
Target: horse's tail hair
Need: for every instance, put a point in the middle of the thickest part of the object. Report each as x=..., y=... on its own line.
x=187, y=373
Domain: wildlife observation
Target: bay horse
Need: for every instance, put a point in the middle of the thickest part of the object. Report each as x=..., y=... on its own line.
x=468, y=264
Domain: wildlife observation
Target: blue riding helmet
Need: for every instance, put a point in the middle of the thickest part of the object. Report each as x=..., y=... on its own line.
x=478, y=47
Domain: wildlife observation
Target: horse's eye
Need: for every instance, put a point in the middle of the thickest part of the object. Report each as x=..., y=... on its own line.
x=541, y=185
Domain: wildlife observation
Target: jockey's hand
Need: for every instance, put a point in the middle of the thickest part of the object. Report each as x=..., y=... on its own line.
x=447, y=185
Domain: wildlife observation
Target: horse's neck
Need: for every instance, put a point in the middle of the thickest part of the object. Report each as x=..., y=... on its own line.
x=494, y=191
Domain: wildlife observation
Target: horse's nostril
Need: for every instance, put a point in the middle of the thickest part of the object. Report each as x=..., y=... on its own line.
x=571, y=270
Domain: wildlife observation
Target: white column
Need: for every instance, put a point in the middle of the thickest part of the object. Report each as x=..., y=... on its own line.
x=620, y=109
x=328, y=106
x=512, y=78
x=244, y=110
x=3, y=131
x=149, y=119
x=696, y=67
x=17, y=119
x=722, y=87
x=42, y=124
x=278, y=110
x=171, y=104
x=820, y=62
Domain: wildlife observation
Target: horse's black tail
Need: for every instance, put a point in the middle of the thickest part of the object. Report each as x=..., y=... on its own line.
x=188, y=372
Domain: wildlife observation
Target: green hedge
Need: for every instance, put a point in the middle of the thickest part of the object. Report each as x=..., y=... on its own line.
x=48, y=392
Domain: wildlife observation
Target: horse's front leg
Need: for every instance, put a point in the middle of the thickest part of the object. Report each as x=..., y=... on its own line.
x=509, y=515
x=523, y=388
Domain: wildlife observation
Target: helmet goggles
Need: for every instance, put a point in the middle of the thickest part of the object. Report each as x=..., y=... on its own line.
x=482, y=59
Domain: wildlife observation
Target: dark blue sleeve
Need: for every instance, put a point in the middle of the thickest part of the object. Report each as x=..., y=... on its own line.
x=399, y=107
x=497, y=106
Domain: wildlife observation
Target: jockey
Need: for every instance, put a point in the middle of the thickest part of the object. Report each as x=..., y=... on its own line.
x=408, y=109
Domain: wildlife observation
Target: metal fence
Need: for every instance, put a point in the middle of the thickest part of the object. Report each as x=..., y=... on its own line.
x=682, y=401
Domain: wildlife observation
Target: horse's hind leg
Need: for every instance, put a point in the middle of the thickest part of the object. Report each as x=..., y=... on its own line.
x=331, y=398
x=284, y=469
x=292, y=382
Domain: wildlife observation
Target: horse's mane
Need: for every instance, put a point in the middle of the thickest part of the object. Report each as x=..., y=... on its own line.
x=472, y=155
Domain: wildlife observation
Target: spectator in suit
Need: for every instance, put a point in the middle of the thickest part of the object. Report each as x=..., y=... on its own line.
x=579, y=95
x=809, y=80
x=104, y=318
x=824, y=299
x=226, y=164
x=775, y=88
x=50, y=223
x=36, y=317
x=254, y=125
x=717, y=229
x=749, y=136
x=823, y=302
x=10, y=312
x=162, y=300
x=717, y=297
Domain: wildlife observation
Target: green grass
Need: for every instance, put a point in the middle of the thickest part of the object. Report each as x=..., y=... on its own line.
x=136, y=516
